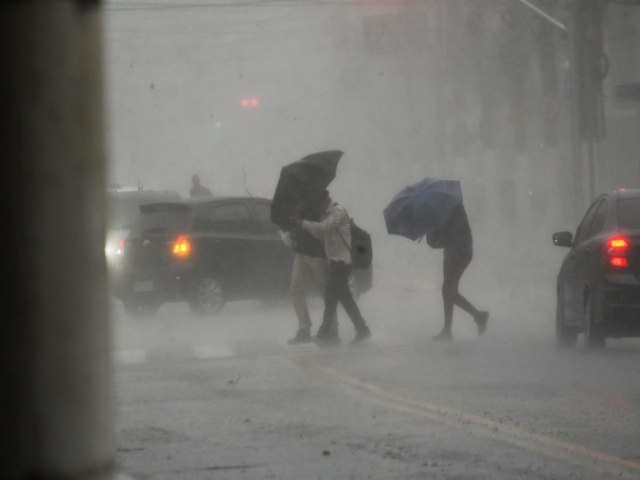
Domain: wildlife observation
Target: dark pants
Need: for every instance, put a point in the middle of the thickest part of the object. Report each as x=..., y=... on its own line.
x=337, y=290
x=454, y=265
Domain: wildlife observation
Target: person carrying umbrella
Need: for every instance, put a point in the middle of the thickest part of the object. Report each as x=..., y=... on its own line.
x=456, y=239
x=434, y=207
x=335, y=231
x=309, y=269
x=300, y=186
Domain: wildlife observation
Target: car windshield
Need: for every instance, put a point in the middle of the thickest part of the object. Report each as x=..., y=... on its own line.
x=629, y=213
x=159, y=221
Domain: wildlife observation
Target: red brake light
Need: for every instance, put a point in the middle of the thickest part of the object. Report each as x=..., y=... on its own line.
x=619, y=243
x=619, y=262
x=617, y=249
x=182, y=247
x=617, y=246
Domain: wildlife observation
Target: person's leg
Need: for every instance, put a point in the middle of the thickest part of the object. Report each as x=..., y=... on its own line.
x=480, y=317
x=453, y=268
x=319, y=270
x=461, y=263
x=330, y=307
x=341, y=272
x=449, y=290
x=299, y=281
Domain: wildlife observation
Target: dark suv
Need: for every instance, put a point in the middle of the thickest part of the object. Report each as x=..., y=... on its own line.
x=204, y=252
x=598, y=285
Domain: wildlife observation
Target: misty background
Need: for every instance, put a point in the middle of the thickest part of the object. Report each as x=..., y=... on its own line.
x=472, y=90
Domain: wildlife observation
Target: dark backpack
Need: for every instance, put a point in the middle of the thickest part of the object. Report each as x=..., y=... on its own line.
x=361, y=248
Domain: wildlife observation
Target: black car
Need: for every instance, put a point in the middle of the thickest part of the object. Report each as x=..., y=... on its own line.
x=123, y=209
x=598, y=286
x=204, y=252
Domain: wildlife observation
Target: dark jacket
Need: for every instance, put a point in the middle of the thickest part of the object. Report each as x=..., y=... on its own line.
x=306, y=244
x=455, y=236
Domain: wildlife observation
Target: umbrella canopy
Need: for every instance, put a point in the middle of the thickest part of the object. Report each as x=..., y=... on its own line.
x=301, y=184
x=422, y=207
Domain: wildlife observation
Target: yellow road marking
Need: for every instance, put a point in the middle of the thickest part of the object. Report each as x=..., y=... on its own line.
x=563, y=450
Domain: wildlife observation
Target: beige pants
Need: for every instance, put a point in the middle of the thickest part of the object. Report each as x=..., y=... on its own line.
x=309, y=275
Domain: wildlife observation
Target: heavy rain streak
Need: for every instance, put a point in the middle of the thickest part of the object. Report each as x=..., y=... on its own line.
x=528, y=109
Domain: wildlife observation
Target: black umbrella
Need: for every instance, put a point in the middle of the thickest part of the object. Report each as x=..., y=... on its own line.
x=301, y=184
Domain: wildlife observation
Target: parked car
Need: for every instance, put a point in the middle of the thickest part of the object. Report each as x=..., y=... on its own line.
x=204, y=252
x=123, y=208
x=598, y=287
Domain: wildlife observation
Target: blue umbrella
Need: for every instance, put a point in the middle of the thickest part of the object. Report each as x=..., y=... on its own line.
x=422, y=207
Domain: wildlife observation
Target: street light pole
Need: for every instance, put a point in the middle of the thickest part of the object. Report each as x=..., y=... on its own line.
x=576, y=148
x=544, y=15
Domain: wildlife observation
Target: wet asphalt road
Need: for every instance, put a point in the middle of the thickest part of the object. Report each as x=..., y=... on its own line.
x=226, y=398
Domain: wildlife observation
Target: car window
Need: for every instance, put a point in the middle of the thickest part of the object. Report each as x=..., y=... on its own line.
x=124, y=206
x=585, y=225
x=629, y=213
x=122, y=212
x=227, y=218
x=598, y=218
x=263, y=213
x=160, y=221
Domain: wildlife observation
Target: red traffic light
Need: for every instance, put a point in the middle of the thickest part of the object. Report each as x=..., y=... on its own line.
x=250, y=102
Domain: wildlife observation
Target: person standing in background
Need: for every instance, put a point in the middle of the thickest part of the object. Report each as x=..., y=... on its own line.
x=197, y=189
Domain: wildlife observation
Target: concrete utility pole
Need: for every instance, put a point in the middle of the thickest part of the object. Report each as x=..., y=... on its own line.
x=592, y=68
x=574, y=110
x=587, y=69
x=55, y=350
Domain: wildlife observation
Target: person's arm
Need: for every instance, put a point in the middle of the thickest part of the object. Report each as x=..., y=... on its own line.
x=330, y=222
x=286, y=238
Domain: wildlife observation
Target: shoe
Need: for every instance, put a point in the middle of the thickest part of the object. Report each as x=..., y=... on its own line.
x=326, y=339
x=443, y=336
x=361, y=336
x=303, y=336
x=481, y=322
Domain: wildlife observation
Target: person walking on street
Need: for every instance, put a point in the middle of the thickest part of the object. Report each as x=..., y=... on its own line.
x=310, y=270
x=197, y=189
x=456, y=239
x=335, y=231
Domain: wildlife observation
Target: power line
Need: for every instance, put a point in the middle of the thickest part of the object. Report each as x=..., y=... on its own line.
x=155, y=6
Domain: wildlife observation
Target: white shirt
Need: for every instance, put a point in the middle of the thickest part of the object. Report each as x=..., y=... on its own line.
x=334, y=229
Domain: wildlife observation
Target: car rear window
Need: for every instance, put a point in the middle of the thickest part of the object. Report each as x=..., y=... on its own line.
x=122, y=214
x=225, y=218
x=124, y=206
x=629, y=213
x=169, y=220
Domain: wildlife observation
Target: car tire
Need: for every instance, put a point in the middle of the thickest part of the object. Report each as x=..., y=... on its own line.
x=565, y=336
x=594, y=338
x=139, y=306
x=207, y=297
